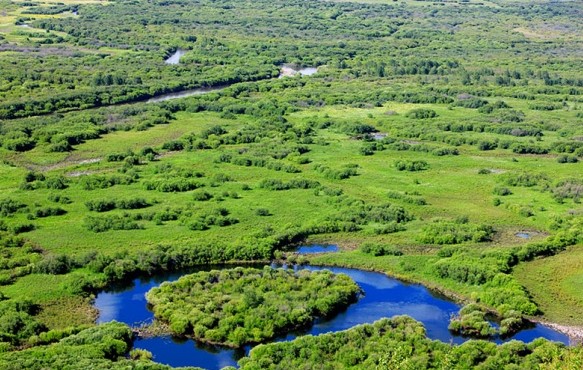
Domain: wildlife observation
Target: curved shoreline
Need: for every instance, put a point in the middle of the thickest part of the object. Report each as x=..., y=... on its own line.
x=575, y=333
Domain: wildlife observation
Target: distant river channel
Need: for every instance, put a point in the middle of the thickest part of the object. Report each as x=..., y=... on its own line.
x=286, y=70
x=382, y=296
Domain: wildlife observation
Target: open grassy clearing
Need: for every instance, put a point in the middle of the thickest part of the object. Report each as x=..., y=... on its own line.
x=555, y=284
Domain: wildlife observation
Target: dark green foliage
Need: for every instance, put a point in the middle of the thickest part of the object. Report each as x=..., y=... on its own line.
x=511, y=323
x=254, y=161
x=23, y=228
x=487, y=145
x=523, y=148
x=389, y=228
x=404, y=165
x=101, y=347
x=332, y=174
x=568, y=189
x=92, y=182
x=241, y=306
x=18, y=256
x=397, y=343
x=174, y=145
x=439, y=152
x=32, y=176
x=262, y=212
x=173, y=185
x=202, y=196
x=57, y=198
x=526, y=179
x=55, y=265
x=102, y=224
x=502, y=191
x=377, y=249
x=421, y=113
x=104, y=205
x=17, y=323
x=219, y=217
x=445, y=232
x=464, y=270
x=10, y=206
x=407, y=198
x=274, y=184
x=49, y=211
x=472, y=322
x=362, y=214
x=567, y=159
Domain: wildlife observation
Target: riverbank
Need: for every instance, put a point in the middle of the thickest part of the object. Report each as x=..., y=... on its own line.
x=575, y=333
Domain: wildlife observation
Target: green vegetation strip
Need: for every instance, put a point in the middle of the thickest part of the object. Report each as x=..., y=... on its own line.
x=100, y=347
x=400, y=343
x=244, y=305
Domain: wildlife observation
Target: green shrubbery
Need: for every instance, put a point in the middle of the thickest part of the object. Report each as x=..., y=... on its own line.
x=421, y=113
x=472, y=322
x=241, y=306
x=114, y=222
x=404, y=165
x=447, y=232
x=377, y=249
x=400, y=343
x=276, y=184
x=104, y=205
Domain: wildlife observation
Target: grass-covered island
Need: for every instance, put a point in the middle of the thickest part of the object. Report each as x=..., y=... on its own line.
x=245, y=305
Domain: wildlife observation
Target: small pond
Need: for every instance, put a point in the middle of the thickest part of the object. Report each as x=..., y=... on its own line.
x=383, y=297
x=317, y=248
x=175, y=58
x=290, y=70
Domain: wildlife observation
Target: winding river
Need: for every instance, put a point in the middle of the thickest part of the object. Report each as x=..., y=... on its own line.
x=285, y=71
x=383, y=297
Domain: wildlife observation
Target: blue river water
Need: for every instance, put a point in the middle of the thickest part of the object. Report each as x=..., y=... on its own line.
x=383, y=297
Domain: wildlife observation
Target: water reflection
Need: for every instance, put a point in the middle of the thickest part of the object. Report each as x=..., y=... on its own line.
x=383, y=297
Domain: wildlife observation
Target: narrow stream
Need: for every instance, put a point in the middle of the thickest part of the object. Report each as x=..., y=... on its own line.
x=383, y=297
x=175, y=59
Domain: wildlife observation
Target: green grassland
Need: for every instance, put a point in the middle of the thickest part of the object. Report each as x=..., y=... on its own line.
x=432, y=136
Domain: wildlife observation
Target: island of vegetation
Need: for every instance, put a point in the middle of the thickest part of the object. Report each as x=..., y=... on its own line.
x=400, y=343
x=244, y=305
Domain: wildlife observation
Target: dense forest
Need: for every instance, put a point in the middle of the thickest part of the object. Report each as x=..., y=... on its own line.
x=439, y=142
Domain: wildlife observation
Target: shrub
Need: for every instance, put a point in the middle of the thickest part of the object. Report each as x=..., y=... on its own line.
x=377, y=249
x=262, y=212
x=472, y=322
x=404, y=165
x=202, y=196
x=502, y=191
x=421, y=113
